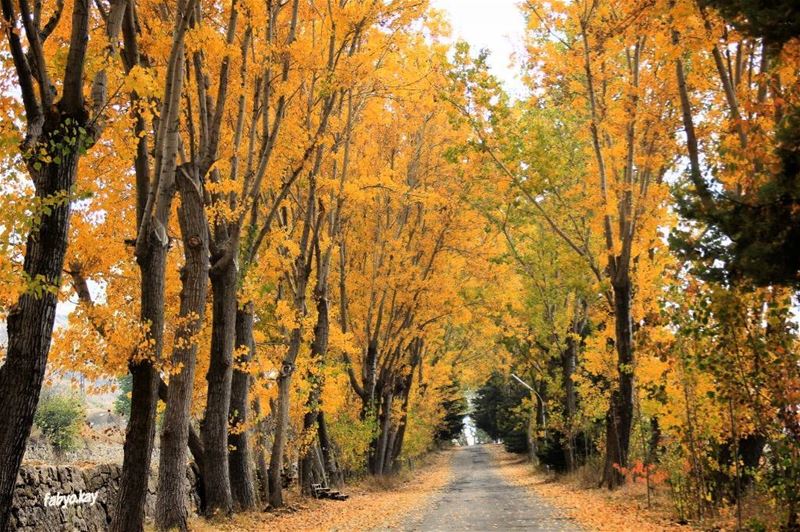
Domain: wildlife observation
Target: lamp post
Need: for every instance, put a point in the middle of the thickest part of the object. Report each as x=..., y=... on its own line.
x=541, y=400
x=531, y=437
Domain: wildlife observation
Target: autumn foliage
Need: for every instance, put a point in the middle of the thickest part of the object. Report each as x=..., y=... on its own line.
x=307, y=227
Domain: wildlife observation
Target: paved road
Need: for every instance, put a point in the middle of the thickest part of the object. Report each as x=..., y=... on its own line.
x=478, y=498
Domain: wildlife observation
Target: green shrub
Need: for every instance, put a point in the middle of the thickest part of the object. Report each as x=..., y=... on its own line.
x=754, y=525
x=352, y=436
x=122, y=404
x=59, y=417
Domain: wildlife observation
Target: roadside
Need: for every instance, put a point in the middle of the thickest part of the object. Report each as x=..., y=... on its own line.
x=593, y=508
x=373, y=503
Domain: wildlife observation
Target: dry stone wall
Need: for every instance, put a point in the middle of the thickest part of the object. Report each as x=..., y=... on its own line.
x=36, y=505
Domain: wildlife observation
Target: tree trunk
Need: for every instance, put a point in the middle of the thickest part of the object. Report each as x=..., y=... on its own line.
x=388, y=459
x=568, y=363
x=540, y=432
x=309, y=424
x=619, y=418
x=214, y=428
x=302, y=273
x=318, y=469
x=195, y=446
x=307, y=465
x=282, y=420
x=30, y=323
x=260, y=449
x=400, y=433
x=370, y=404
x=383, y=438
x=370, y=378
x=319, y=348
x=654, y=441
x=335, y=477
x=152, y=244
x=312, y=469
x=171, y=510
x=240, y=459
x=129, y=512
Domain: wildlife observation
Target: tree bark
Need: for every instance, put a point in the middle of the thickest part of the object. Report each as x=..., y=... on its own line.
x=319, y=348
x=214, y=428
x=370, y=377
x=385, y=427
x=569, y=361
x=397, y=441
x=152, y=244
x=129, y=512
x=240, y=458
x=171, y=510
x=309, y=423
x=370, y=399
x=30, y=327
x=261, y=445
x=282, y=421
x=619, y=418
x=302, y=272
x=195, y=444
x=334, y=472
x=695, y=170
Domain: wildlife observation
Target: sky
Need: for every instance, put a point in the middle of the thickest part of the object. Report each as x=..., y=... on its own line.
x=494, y=24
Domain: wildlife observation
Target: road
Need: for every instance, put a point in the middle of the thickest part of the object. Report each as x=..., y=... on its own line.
x=479, y=498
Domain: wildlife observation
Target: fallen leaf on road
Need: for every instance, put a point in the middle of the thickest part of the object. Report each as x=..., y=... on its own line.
x=594, y=509
x=372, y=504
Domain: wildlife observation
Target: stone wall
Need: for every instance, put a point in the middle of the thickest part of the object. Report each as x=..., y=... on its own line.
x=34, y=483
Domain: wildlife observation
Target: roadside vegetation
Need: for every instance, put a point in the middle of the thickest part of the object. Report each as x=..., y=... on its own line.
x=60, y=417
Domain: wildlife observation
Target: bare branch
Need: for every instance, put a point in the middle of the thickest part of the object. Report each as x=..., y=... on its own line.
x=33, y=111
x=36, y=54
x=53, y=22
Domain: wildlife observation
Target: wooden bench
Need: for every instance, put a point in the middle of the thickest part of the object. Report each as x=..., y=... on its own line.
x=323, y=492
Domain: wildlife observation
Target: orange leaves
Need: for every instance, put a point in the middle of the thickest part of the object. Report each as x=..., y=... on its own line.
x=143, y=82
x=594, y=509
x=384, y=504
x=641, y=472
x=340, y=342
x=285, y=315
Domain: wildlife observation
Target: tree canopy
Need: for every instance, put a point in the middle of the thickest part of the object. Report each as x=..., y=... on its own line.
x=314, y=229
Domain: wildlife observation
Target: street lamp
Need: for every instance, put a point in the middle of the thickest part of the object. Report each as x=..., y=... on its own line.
x=541, y=400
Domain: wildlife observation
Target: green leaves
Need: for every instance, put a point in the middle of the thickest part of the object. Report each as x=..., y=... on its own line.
x=60, y=146
x=59, y=416
x=39, y=285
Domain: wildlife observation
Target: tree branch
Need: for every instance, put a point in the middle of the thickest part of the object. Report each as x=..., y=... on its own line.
x=72, y=98
x=33, y=111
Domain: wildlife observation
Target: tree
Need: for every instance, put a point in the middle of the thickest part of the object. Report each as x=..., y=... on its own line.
x=455, y=409
x=499, y=411
x=748, y=201
x=152, y=243
x=611, y=83
x=776, y=22
x=122, y=404
x=58, y=131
